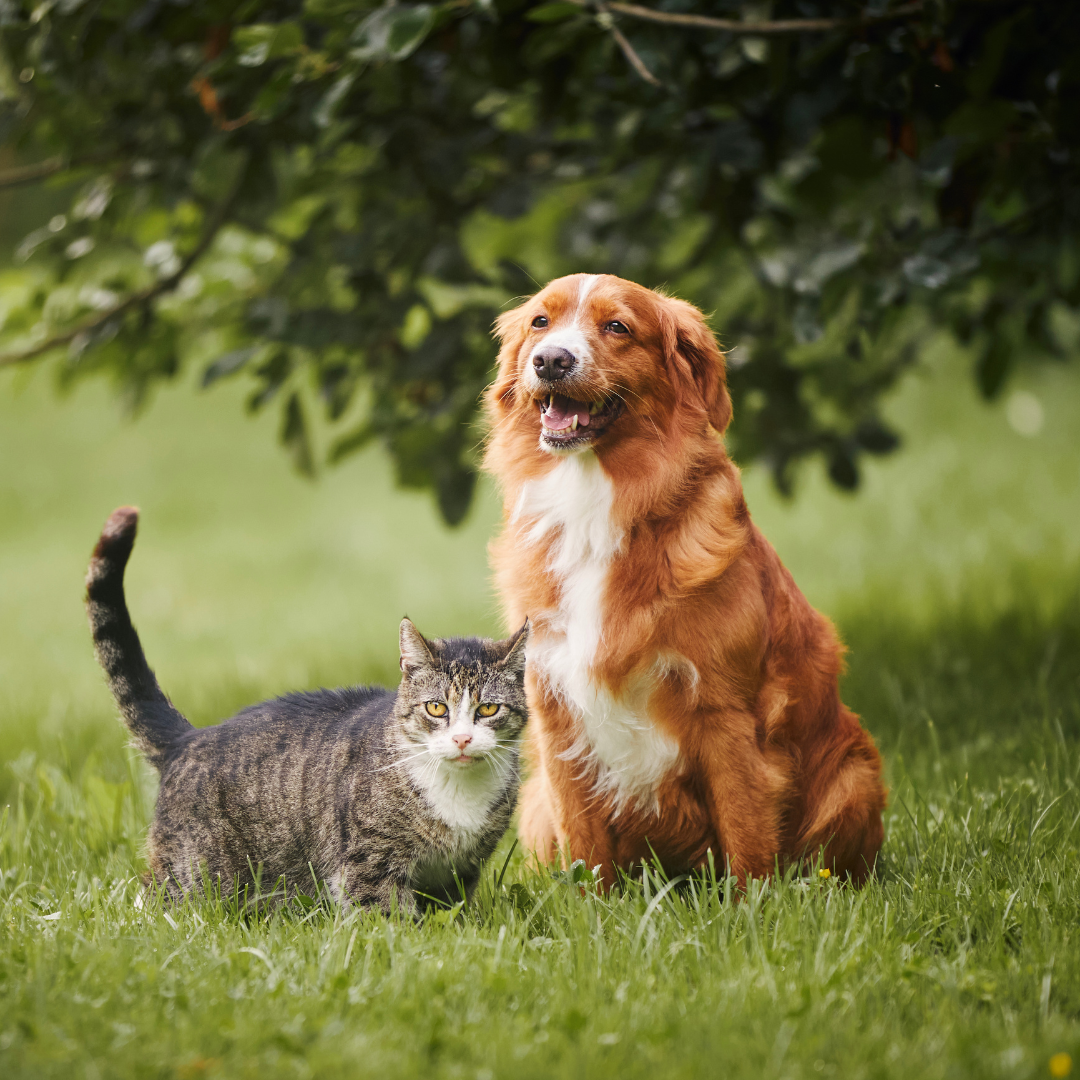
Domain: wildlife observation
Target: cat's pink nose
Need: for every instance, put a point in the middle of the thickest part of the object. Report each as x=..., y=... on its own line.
x=461, y=741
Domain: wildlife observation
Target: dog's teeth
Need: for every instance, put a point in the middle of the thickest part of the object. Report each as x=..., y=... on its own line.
x=574, y=423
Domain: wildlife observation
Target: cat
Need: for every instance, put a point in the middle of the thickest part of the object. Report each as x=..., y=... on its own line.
x=382, y=797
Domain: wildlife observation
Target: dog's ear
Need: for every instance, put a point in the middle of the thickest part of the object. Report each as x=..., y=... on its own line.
x=694, y=359
x=510, y=330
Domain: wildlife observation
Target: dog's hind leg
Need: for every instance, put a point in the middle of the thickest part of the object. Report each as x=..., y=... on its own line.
x=746, y=791
x=845, y=818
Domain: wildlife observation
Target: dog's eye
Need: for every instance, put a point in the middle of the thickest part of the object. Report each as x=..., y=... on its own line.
x=617, y=327
x=540, y=322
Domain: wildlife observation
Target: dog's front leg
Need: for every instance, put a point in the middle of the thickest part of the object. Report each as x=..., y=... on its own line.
x=565, y=782
x=586, y=835
x=747, y=790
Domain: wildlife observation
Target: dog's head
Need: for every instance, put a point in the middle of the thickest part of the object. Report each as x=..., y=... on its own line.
x=592, y=361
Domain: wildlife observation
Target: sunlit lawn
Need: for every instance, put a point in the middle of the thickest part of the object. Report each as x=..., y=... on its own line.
x=953, y=575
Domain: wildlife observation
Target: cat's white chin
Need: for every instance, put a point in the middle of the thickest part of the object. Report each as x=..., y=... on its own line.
x=461, y=793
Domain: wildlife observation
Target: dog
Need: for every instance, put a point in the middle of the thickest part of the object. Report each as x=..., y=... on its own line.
x=684, y=693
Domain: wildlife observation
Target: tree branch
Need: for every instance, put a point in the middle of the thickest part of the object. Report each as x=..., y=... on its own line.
x=27, y=174
x=628, y=50
x=736, y=26
x=1025, y=216
x=42, y=170
x=167, y=284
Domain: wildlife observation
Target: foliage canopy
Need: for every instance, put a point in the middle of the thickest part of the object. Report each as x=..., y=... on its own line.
x=333, y=199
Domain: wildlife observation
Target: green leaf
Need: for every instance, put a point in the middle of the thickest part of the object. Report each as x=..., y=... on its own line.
x=392, y=32
x=267, y=41
x=329, y=9
x=351, y=443
x=294, y=436
x=416, y=326
x=554, y=12
x=1063, y=324
x=454, y=487
x=323, y=114
x=875, y=438
x=229, y=364
x=447, y=300
x=843, y=469
x=294, y=219
x=993, y=365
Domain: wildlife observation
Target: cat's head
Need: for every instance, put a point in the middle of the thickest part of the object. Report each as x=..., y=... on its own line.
x=461, y=701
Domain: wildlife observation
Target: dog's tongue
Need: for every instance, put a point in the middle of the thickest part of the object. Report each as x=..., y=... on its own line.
x=560, y=414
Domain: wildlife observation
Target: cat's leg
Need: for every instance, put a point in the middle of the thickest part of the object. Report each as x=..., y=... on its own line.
x=164, y=885
x=469, y=876
x=367, y=880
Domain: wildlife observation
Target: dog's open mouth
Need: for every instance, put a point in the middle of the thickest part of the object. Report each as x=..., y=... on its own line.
x=567, y=423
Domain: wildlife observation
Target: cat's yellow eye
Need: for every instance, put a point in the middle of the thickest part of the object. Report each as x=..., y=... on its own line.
x=435, y=708
x=487, y=709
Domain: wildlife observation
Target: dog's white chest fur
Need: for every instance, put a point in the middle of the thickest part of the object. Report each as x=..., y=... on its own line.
x=575, y=499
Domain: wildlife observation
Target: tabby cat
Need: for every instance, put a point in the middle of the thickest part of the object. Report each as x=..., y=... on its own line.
x=381, y=796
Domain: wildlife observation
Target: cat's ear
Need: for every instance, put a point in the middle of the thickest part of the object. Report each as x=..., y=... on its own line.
x=514, y=660
x=415, y=651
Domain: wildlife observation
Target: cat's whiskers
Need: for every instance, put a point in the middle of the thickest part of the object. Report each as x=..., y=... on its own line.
x=422, y=752
x=502, y=762
x=431, y=769
x=502, y=771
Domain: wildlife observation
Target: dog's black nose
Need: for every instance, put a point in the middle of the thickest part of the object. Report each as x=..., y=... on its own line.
x=552, y=362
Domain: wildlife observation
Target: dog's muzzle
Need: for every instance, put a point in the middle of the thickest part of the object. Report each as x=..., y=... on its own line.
x=552, y=362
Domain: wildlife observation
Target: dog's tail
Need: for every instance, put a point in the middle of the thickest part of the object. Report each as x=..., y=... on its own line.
x=157, y=728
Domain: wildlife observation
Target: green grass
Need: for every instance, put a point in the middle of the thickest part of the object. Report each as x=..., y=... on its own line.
x=954, y=575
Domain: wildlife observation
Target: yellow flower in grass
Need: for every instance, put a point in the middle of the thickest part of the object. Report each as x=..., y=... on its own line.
x=1060, y=1066
x=824, y=872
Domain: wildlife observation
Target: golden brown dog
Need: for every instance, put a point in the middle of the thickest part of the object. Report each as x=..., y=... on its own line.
x=683, y=692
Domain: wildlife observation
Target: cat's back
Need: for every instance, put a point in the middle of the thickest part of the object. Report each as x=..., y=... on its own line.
x=292, y=731
x=313, y=710
x=279, y=757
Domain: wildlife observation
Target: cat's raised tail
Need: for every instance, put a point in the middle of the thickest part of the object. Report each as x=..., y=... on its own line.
x=156, y=727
